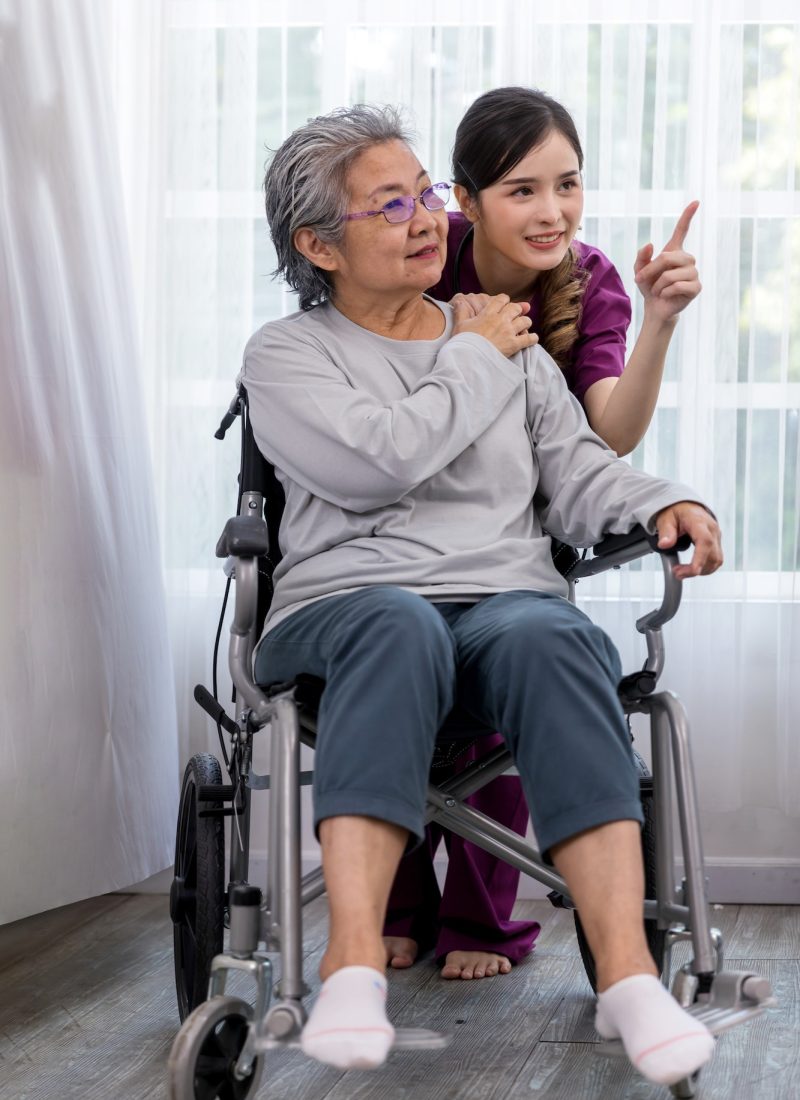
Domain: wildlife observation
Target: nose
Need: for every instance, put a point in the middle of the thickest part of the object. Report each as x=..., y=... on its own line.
x=423, y=219
x=547, y=209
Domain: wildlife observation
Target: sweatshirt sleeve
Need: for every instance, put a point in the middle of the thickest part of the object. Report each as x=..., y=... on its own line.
x=342, y=443
x=585, y=491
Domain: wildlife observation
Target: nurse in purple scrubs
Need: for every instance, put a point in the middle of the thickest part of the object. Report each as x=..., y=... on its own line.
x=517, y=164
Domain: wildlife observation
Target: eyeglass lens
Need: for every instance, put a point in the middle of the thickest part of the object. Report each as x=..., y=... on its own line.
x=402, y=209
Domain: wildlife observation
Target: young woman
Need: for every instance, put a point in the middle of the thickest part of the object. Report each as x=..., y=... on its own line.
x=517, y=164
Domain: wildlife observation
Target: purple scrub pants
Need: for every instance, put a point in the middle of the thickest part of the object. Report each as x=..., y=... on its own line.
x=473, y=911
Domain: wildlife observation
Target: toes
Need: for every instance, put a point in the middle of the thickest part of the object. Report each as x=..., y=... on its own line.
x=469, y=965
x=401, y=952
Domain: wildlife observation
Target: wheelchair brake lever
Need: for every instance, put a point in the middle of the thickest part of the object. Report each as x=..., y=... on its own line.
x=213, y=709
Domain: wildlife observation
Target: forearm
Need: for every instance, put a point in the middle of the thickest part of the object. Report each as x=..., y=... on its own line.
x=631, y=403
x=584, y=491
x=359, y=451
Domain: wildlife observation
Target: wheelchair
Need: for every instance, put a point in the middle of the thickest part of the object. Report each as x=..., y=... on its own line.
x=220, y=1048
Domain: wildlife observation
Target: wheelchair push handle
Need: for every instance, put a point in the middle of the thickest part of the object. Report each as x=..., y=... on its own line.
x=234, y=410
x=243, y=537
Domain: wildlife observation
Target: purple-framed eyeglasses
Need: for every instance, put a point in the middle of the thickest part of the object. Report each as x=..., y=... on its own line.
x=402, y=209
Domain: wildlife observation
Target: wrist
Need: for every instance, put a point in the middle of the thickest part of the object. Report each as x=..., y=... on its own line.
x=658, y=325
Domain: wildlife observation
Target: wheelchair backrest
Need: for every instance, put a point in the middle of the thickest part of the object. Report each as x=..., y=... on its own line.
x=257, y=482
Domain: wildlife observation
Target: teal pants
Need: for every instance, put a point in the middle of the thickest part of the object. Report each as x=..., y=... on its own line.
x=528, y=664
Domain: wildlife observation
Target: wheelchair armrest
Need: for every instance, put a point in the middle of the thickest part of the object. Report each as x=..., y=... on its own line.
x=619, y=542
x=243, y=537
x=617, y=550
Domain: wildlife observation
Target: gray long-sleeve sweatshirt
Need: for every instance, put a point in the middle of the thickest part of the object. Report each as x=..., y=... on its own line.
x=434, y=465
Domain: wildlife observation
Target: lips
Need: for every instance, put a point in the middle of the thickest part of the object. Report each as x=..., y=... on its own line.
x=545, y=240
x=427, y=252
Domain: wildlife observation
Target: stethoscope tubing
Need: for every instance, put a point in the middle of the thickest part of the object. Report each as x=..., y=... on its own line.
x=459, y=256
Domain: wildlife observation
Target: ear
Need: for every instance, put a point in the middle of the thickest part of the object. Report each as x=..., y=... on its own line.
x=320, y=253
x=469, y=205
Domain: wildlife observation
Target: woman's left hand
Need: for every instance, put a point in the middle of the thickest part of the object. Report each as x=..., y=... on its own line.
x=669, y=282
x=692, y=519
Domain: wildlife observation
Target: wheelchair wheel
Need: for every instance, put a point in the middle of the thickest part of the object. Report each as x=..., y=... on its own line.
x=197, y=896
x=656, y=937
x=685, y=1089
x=205, y=1050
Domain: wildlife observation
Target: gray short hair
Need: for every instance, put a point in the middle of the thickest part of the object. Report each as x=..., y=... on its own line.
x=306, y=186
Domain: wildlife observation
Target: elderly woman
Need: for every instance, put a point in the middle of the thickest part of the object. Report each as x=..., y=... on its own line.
x=424, y=452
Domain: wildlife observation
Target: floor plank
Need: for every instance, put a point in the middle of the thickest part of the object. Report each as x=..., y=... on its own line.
x=88, y=1011
x=34, y=933
x=766, y=932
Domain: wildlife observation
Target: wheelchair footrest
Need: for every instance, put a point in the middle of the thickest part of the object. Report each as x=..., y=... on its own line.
x=405, y=1038
x=419, y=1038
x=736, y=996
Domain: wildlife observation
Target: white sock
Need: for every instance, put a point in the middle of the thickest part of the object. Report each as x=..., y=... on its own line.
x=348, y=1027
x=663, y=1041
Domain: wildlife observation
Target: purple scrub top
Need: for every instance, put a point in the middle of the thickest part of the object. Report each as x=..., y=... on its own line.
x=599, y=351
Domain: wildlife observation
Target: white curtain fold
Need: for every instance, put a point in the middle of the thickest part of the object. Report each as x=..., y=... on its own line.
x=88, y=729
x=673, y=101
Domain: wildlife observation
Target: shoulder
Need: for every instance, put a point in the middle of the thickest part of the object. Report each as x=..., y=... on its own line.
x=604, y=292
x=597, y=265
x=298, y=334
x=541, y=370
x=599, y=351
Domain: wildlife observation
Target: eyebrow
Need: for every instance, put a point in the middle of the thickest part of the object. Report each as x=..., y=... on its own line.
x=533, y=179
x=394, y=186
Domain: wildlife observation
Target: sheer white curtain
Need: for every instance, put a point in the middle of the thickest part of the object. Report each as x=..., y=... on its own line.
x=88, y=731
x=674, y=101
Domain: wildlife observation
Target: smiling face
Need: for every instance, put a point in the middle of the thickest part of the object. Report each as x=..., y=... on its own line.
x=525, y=221
x=380, y=259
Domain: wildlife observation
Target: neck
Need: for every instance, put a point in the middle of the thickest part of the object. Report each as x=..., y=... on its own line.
x=497, y=274
x=409, y=318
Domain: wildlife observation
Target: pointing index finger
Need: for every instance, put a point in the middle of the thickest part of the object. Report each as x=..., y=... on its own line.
x=681, y=228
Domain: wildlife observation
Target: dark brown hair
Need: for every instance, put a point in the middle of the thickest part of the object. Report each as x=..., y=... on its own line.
x=498, y=130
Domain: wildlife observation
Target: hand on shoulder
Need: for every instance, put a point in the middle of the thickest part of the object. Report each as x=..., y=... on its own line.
x=503, y=323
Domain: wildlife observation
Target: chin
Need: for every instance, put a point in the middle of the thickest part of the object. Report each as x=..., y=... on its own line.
x=545, y=262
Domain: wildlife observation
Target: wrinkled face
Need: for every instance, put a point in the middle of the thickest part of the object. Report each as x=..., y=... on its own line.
x=379, y=257
x=532, y=213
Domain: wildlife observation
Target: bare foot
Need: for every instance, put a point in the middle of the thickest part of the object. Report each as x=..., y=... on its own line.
x=474, y=964
x=401, y=952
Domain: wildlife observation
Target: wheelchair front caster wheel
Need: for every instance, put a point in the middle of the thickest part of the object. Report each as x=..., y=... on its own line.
x=685, y=1089
x=203, y=1057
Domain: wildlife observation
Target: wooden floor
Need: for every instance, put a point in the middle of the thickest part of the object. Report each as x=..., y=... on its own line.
x=87, y=1010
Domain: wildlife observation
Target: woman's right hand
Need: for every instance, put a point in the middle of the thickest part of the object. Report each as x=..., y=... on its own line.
x=495, y=317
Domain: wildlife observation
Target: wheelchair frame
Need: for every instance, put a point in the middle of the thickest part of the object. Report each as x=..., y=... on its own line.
x=721, y=999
